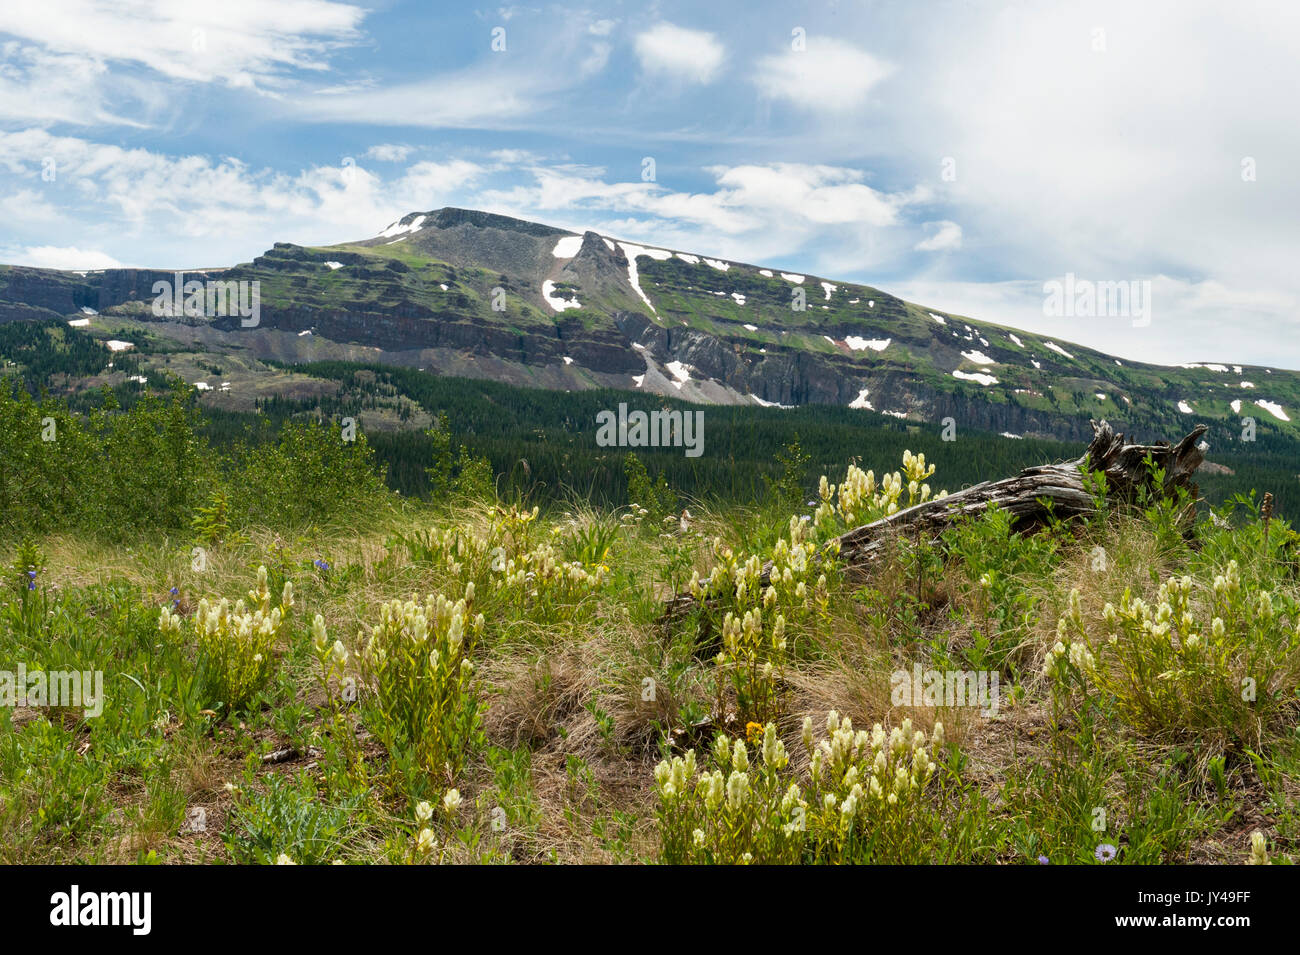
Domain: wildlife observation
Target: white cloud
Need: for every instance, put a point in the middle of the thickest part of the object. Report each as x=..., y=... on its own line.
x=1070, y=160
x=692, y=56
x=945, y=237
x=388, y=152
x=186, y=211
x=755, y=213
x=467, y=99
x=828, y=76
x=241, y=42
x=66, y=257
x=26, y=207
x=1187, y=319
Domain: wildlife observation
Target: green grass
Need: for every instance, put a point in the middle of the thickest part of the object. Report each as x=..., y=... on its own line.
x=561, y=766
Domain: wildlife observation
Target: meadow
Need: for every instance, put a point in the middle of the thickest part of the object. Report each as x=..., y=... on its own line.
x=302, y=666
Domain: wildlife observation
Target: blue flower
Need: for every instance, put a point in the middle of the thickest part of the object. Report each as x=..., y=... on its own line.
x=321, y=565
x=174, y=591
x=1105, y=852
x=1043, y=860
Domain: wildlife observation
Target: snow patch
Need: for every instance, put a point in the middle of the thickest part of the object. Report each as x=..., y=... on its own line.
x=333, y=265
x=1236, y=406
x=78, y=322
x=720, y=266
x=398, y=229
x=1016, y=341
x=983, y=379
x=1184, y=407
x=87, y=310
x=1008, y=434
x=557, y=302
x=752, y=328
x=1248, y=384
x=978, y=357
x=115, y=345
x=829, y=289
x=861, y=401
x=740, y=299
x=1058, y=349
x=567, y=247
x=765, y=272
x=940, y=319
x=861, y=344
x=632, y=251
x=687, y=257
x=680, y=372
x=796, y=279
x=1274, y=409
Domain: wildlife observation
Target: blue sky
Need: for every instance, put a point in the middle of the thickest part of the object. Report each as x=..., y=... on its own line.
x=959, y=154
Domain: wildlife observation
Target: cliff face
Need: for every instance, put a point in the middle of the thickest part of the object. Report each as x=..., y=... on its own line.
x=473, y=293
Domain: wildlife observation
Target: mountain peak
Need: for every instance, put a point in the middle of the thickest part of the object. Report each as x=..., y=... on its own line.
x=451, y=217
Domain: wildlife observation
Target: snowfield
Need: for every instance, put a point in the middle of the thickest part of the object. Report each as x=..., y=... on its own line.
x=567, y=247
x=557, y=302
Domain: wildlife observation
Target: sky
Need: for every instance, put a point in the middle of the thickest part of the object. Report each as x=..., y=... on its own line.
x=961, y=155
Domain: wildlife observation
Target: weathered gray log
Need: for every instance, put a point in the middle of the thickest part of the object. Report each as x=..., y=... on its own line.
x=1032, y=497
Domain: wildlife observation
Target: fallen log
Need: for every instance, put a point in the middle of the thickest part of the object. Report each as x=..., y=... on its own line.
x=1032, y=497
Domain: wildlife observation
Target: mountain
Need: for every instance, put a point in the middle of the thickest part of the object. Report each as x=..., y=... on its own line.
x=473, y=294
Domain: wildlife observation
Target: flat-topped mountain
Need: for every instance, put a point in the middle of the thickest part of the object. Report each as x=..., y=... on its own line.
x=469, y=293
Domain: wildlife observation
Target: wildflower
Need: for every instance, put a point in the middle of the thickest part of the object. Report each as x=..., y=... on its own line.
x=754, y=732
x=31, y=580
x=773, y=749
x=451, y=801
x=1258, y=849
x=1043, y=860
x=424, y=811
x=321, y=564
x=739, y=756
x=698, y=837
x=737, y=789
x=283, y=859
x=318, y=633
x=1106, y=852
x=425, y=842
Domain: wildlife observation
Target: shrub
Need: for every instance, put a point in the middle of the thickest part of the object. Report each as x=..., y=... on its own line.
x=868, y=800
x=1221, y=664
x=417, y=664
x=236, y=647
